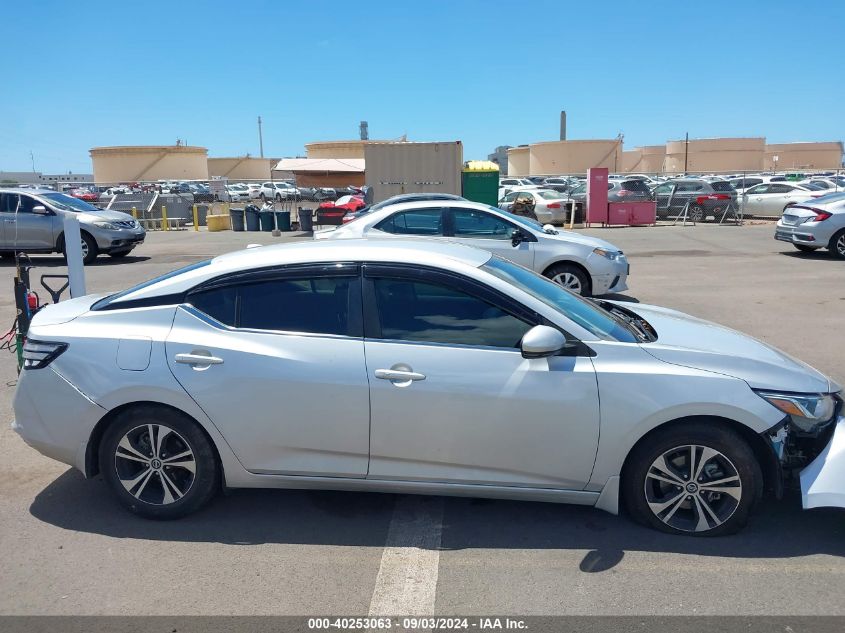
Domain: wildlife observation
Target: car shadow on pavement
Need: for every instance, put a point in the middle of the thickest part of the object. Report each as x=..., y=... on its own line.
x=822, y=253
x=59, y=262
x=249, y=517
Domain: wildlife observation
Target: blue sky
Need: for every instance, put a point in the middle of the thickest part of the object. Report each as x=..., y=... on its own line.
x=83, y=74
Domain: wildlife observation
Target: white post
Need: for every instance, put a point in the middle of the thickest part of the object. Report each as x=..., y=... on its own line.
x=73, y=252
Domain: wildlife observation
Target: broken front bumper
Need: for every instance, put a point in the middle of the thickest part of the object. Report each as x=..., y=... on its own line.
x=823, y=481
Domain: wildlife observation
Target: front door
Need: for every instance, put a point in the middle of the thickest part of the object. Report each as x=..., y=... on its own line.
x=277, y=364
x=23, y=229
x=490, y=232
x=452, y=398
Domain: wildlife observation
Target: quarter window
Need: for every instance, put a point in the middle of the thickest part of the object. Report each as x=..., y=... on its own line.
x=435, y=313
x=480, y=225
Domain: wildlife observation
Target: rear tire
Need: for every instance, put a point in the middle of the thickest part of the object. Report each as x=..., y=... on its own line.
x=696, y=214
x=661, y=489
x=836, y=246
x=158, y=462
x=570, y=277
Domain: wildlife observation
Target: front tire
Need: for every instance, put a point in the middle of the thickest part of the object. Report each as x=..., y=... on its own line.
x=570, y=277
x=158, y=462
x=695, y=478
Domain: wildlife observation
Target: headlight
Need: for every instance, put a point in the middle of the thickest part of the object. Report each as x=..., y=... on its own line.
x=807, y=411
x=611, y=255
x=107, y=225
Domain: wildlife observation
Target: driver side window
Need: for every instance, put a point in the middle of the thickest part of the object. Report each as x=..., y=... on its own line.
x=470, y=223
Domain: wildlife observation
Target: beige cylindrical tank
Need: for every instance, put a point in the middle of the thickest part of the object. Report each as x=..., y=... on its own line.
x=240, y=168
x=631, y=159
x=149, y=162
x=519, y=161
x=716, y=155
x=337, y=149
x=652, y=158
x=826, y=155
x=574, y=157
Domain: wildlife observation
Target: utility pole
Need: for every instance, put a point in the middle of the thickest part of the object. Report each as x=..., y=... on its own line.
x=686, y=153
x=260, y=139
x=32, y=159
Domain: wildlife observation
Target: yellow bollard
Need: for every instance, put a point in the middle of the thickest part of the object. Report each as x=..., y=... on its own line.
x=164, y=226
x=134, y=213
x=196, y=219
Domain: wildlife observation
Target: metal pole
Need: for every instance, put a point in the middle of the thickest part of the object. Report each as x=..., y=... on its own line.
x=260, y=138
x=686, y=153
x=196, y=219
x=164, y=226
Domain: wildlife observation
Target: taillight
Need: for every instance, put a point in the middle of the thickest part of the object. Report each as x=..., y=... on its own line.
x=821, y=216
x=39, y=354
x=553, y=205
x=623, y=192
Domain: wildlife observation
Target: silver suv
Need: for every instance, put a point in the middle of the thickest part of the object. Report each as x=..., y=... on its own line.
x=32, y=221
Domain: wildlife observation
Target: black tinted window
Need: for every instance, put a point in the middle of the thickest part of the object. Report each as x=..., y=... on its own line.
x=414, y=222
x=218, y=304
x=303, y=305
x=719, y=185
x=777, y=188
x=478, y=224
x=416, y=311
x=319, y=305
x=636, y=185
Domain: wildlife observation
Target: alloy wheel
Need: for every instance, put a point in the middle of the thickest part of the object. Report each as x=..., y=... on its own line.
x=155, y=464
x=693, y=488
x=840, y=245
x=568, y=281
x=84, y=249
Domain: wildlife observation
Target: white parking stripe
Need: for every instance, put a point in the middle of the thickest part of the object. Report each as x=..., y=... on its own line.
x=407, y=577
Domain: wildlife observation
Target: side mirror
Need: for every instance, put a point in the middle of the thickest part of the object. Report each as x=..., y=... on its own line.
x=517, y=238
x=39, y=209
x=542, y=341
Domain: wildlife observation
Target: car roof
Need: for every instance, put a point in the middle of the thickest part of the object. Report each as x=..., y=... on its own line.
x=27, y=190
x=410, y=251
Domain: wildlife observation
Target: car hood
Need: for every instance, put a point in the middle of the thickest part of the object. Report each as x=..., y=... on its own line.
x=571, y=237
x=691, y=342
x=105, y=215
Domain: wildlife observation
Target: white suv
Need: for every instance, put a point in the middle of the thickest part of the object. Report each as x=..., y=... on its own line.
x=279, y=191
x=585, y=265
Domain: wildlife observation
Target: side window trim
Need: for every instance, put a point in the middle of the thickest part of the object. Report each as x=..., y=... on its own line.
x=423, y=274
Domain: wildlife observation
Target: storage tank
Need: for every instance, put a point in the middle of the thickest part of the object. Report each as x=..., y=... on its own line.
x=716, y=155
x=826, y=155
x=338, y=149
x=519, y=161
x=574, y=157
x=241, y=168
x=149, y=162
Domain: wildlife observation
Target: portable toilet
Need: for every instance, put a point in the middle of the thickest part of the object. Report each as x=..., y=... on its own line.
x=480, y=182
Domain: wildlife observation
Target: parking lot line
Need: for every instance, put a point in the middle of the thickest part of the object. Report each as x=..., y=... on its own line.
x=406, y=583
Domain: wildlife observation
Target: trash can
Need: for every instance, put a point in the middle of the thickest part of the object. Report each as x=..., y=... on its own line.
x=480, y=182
x=306, y=220
x=266, y=218
x=237, y=216
x=252, y=218
x=283, y=220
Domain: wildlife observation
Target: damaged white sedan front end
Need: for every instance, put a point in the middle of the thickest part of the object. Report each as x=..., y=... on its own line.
x=823, y=481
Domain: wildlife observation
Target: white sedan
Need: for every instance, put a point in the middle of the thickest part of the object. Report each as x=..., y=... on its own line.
x=279, y=191
x=549, y=205
x=772, y=198
x=585, y=265
x=238, y=193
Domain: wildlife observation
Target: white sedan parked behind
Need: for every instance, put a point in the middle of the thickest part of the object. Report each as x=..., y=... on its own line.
x=585, y=265
x=773, y=197
x=549, y=205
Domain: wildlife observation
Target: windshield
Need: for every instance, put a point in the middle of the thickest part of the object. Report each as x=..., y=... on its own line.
x=585, y=313
x=67, y=203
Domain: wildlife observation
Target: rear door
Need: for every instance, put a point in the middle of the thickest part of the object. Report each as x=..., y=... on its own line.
x=276, y=361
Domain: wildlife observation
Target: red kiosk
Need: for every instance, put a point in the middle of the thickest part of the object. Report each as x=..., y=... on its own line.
x=600, y=211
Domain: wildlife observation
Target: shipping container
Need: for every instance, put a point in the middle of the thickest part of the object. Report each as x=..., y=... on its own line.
x=395, y=168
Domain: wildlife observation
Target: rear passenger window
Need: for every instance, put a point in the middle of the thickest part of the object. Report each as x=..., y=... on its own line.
x=310, y=305
x=319, y=306
x=414, y=222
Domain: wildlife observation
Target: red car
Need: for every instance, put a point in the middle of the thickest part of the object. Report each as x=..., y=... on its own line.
x=84, y=194
x=333, y=212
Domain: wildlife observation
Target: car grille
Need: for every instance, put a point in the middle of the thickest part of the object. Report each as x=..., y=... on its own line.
x=126, y=224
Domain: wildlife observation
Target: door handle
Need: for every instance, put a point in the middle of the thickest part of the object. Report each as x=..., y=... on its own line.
x=198, y=359
x=398, y=375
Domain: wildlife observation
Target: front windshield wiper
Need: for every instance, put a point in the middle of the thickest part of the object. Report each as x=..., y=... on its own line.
x=632, y=322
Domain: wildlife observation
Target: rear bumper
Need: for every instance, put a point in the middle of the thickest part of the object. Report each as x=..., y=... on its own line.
x=823, y=481
x=809, y=235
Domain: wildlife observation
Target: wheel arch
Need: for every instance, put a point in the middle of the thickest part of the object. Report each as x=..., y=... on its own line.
x=762, y=449
x=92, y=450
x=567, y=262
